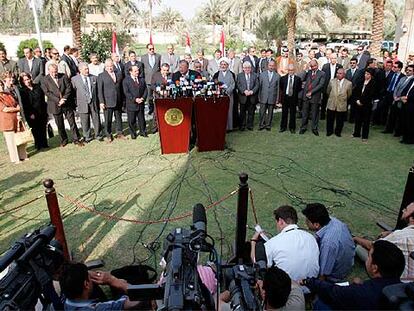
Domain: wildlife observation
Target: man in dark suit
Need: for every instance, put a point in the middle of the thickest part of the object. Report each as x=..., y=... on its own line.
x=86, y=87
x=356, y=76
x=37, y=52
x=118, y=65
x=68, y=60
x=362, y=57
x=7, y=64
x=290, y=87
x=135, y=90
x=57, y=89
x=312, y=93
x=330, y=70
x=268, y=95
x=183, y=72
x=248, y=86
x=152, y=63
x=407, y=98
x=252, y=59
x=133, y=61
x=159, y=79
x=110, y=99
x=32, y=65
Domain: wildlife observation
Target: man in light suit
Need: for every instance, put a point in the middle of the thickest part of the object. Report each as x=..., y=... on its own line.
x=214, y=64
x=170, y=58
x=110, y=99
x=312, y=95
x=248, y=86
x=86, y=87
x=199, y=69
x=344, y=59
x=290, y=88
x=31, y=65
x=330, y=70
x=339, y=90
x=268, y=95
x=235, y=62
x=201, y=59
x=152, y=63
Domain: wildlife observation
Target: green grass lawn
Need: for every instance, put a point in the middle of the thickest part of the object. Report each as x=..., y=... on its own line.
x=360, y=183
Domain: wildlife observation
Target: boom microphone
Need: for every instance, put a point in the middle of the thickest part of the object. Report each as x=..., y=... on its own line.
x=261, y=258
x=200, y=219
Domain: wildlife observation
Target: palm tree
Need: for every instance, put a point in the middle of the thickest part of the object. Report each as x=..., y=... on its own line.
x=377, y=26
x=270, y=28
x=169, y=19
x=151, y=4
x=212, y=13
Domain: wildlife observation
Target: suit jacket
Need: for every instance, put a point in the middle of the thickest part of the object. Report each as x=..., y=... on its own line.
x=133, y=91
x=110, y=92
x=38, y=69
x=213, y=67
x=316, y=83
x=344, y=62
x=356, y=78
x=367, y=96
x=297, y=87
x=236, y=65
x=148, y=70
x=255, y=63
x=177, y=75
x=55, y=93
x=170, y=60
x=362, y=59
x=140, y=67
x=83, y=99
x=282, y=65
x=72, y=66
x=338, y=97
x=33, y=102
x=121, y=68
x=398, y=79
x=157, y=79
x=327, y=70
x=268, y=90
x=204, y=63
x=263, y=62
x=402, y=85
x=9, y=65
x=242, y=86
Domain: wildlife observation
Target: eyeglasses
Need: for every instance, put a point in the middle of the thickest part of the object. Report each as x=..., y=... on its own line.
x=151, y=49
x=54, y=53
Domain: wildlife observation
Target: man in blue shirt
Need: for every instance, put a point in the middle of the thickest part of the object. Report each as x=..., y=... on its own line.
x=384, y=265
x=336, y=247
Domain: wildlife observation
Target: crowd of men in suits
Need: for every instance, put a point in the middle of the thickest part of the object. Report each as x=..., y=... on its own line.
x=327, y=85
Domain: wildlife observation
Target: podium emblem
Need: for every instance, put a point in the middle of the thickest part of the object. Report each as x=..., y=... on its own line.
x=174, y=117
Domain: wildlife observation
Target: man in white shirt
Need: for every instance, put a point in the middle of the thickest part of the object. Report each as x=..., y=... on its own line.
x=293, y=250
x=95, y=66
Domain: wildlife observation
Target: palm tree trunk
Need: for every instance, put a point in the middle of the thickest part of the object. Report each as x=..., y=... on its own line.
x=241, y=24
x=75, y=18
x=291, y=25
x=377, y=27
x=213, y=21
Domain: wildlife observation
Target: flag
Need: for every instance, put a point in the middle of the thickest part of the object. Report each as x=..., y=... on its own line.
x=115, y=48
x=187, y=44
x=150, y=40
x=222, y=44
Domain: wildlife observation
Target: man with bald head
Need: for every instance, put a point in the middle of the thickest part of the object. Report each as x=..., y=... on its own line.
x=330, y=70
x=248, y=87
x=312, y=95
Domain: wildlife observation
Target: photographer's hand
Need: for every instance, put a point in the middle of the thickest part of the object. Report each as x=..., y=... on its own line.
x=105, y=278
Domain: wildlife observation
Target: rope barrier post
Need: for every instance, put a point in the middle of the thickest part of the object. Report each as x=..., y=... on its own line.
x=408, y=197
x=54, y=214
x=242, y=208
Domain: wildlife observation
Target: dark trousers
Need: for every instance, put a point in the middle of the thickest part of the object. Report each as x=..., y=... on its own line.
x=313, y=109
x=70, y=116
x=39, y=127
x=393, y=121
x=85, y=119
x=150, y=99
x=108, y=115
x=381, y=113
x=362, y=121
x=324, y=102
x=332, y=117
x=248, y=107
x=236, y=117
x=132, y=122
x=288, y=110
x=265, y=116
x=351, y=104
x=407, y=128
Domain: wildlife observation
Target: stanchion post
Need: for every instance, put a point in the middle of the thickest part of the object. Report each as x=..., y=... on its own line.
x=408, y=197
x=242, y=206
x=54, y=214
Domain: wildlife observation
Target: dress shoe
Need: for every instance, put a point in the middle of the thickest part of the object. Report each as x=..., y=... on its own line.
x=355, y=136
x=120, y=136
x=134, y=137
x=100, y=138
x=302, y=131
x=143, y=134
x=328, y=134
x=63, y=144
x=155, y=130
x=282, y=130
x=79, y=143
x=386, y=132
x=338, y=135
x=365, y=141
x=250, y=128
x=242, y=129
x=315, y=132
x=261, y=128
x=397, y=135
x=293, y=131
x=268, y=129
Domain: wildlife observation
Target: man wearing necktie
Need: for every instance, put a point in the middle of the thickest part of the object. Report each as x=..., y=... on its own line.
x=268, y=95
x=407, y=99
x=118, y=65
x=135, y=90
x=356, y=76
x=170, y=58
x=85, y=86
x=248, y=86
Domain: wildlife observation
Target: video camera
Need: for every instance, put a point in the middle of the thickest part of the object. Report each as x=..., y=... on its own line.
x=31, y=263
x=183, y=289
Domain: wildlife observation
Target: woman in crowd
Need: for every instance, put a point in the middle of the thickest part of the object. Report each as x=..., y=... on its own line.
x=9, y=118
x=34, y=106
x=364, y=95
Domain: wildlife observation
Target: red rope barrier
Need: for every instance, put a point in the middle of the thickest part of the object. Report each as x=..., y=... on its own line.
x=253, y=207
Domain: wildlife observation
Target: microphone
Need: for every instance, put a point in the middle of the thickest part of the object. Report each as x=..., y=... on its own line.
x=261, y=258
x=200, y=219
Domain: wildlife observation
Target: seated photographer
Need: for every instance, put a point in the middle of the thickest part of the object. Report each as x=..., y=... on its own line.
x=336, y=247
x=277, y=291
x=404, y=239
x=77, y=284
x=293, y=250
x=384, y=265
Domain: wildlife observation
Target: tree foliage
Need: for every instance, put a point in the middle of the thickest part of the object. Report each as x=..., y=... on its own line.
x=2, y=46
x=271, y=28
x=31, y=43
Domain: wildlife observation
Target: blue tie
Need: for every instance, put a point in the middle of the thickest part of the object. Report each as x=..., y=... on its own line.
x=391, y=87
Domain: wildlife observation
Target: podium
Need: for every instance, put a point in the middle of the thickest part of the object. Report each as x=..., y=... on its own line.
x=211, y=122
x=174, y=123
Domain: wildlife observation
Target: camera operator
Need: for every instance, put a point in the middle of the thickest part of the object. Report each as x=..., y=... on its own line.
x=277, y=291
x=293, y=250
x=77, y=284
x=404, y=239
x=384, y=265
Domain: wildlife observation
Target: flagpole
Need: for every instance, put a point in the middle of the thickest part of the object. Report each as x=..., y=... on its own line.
x=36, y=21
